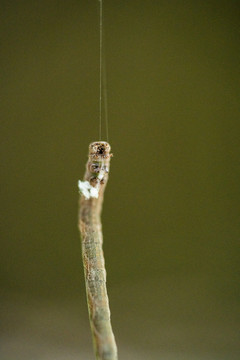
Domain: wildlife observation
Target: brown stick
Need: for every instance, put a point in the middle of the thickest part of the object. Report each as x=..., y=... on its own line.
x=92, y=191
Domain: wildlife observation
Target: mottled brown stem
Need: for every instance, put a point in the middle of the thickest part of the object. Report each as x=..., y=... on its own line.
x=95, y=181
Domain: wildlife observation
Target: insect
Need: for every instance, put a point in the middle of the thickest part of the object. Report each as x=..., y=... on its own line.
x=92, y=191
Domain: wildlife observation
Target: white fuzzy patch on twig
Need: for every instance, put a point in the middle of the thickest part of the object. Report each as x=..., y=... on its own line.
x=87, y=190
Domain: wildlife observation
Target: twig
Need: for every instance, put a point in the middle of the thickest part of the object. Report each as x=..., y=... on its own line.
x=92, y=190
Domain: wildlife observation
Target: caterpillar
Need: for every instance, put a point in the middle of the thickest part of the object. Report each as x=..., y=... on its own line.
x=91, y=199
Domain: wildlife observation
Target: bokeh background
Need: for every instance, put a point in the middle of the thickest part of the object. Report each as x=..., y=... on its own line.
x=171, y=212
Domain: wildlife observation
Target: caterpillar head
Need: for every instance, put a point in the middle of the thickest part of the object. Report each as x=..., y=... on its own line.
x=99, y=149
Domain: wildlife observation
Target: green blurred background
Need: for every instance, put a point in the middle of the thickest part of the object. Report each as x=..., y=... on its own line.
x=171, y=212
